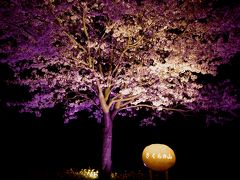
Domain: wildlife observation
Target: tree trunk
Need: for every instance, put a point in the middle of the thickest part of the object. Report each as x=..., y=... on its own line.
x=106, y=161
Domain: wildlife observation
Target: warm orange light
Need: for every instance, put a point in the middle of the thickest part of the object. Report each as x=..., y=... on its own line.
x=158, y=157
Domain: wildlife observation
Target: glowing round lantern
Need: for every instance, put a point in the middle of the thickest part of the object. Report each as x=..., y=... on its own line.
x=158, y=157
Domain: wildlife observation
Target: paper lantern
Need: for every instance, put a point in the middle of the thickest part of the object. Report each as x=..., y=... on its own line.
x=158, y=157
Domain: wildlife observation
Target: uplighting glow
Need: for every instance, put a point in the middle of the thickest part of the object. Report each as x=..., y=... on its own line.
x=87, y=173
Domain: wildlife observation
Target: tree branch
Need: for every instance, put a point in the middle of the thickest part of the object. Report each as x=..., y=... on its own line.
x=154, y=107
x=103, y=103
x=114, y=113
x=129, y=46
x=75, y=42
x=84, y=24
x=130, y=98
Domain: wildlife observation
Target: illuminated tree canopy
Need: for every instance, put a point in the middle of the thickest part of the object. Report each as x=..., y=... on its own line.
x=133, y=56
x=116, y=57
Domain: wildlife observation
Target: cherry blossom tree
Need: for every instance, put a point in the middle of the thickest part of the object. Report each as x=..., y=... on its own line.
x=116, y=57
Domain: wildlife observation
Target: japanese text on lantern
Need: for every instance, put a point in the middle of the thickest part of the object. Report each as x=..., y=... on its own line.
x=159, y=156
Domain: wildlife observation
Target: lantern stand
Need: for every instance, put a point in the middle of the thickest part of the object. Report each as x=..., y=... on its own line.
x=150, y=174
x=166, y=177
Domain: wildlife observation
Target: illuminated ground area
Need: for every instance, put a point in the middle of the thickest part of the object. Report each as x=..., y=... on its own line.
x=83, y=173
x=80, y=174
x=93, y=174
x=88, y=174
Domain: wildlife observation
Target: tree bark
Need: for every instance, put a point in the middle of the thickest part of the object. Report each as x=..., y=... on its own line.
x=106, y=159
